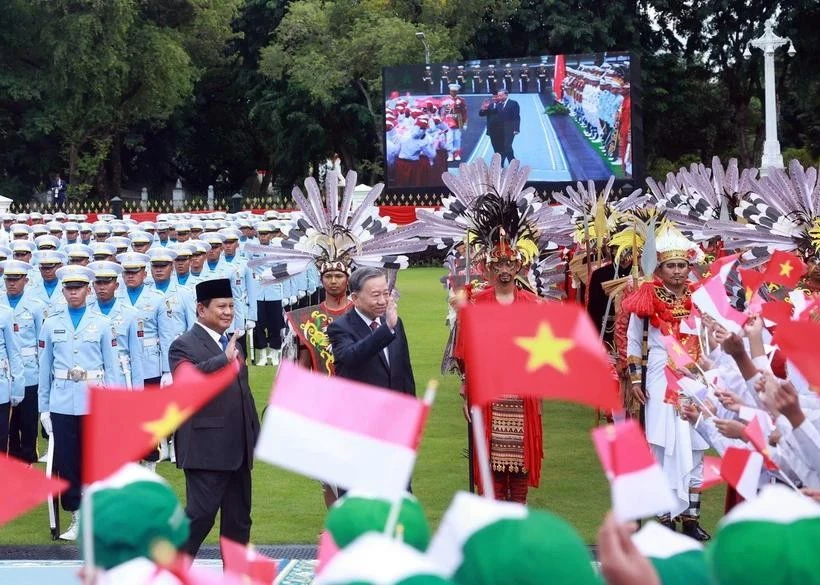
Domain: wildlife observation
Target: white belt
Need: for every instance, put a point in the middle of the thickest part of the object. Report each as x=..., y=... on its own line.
x=28, y=351
x=77, y=374
x=150, y=341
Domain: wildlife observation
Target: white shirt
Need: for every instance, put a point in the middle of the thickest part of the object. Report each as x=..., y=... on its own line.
x=214, y=335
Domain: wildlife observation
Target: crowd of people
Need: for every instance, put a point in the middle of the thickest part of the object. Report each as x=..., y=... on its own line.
x=103, y=302
x=695, y=371
x=599, y=100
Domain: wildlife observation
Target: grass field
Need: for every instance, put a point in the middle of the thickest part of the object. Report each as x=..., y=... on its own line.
x=289, y=509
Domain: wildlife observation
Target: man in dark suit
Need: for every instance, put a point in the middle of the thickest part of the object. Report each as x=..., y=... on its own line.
x=503, y=123
x=369, y=343
x=215, y=447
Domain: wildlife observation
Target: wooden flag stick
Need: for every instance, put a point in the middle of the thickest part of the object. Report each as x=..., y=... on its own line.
x=395, y=507
x=480, y=442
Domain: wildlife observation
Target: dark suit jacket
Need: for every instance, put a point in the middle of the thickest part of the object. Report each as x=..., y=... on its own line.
x=221, y=436
x=502, y=122
x=357, y=353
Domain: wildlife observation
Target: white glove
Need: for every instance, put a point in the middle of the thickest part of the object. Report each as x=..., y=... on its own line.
x=301, y=294
x=285, y=301
x=45, y=418
x=166, y=380
x=293, y=300
x=16, y=400
x=250, y=324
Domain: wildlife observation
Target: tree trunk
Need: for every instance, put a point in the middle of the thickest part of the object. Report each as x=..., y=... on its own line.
x=73, y=156
x=115, y=160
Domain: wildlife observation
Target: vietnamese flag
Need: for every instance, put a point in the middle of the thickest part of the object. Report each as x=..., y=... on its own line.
x=558, y=77
x=753, y=432
x=547, y=350
x=785, y=269
x=676, y=352
x=672, y=395
x=243, y=561
x=24, y=488
x=796, y=340
x=140, y=420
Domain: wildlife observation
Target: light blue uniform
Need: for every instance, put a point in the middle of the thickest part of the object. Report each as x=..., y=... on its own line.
x=267, y=291
x=12, y=377
x=54, y=302
x=244, y=292
x=123, y=319
x=155, y=340
x=178, y=316
x=28, y=319
x=90, y=348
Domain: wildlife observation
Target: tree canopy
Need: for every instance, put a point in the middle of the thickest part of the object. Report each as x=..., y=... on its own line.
x=140, y=92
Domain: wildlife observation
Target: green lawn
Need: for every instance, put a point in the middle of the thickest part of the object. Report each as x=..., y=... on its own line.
x=290, y=509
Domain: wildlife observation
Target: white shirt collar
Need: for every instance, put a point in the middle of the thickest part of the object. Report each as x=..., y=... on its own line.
x=214, y=335
x=367, y=320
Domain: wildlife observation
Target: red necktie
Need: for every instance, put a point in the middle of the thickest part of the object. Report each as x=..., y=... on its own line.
x=374, y=325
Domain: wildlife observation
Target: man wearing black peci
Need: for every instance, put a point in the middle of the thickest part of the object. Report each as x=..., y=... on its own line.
x=503, y=123
x=215, y=447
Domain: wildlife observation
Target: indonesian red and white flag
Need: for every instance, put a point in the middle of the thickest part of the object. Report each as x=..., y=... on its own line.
x=741, y=469
x=245, y=562
x=348, y=434
x=711, y=472
x=711, y=299
x=639, y=487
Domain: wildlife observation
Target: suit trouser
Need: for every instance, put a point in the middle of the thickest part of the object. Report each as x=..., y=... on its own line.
x=208, y=492
x=67, y=437
x=153, y=454
x=269, y=324
x=4, y=425
x=502, y=144
x=23, y=427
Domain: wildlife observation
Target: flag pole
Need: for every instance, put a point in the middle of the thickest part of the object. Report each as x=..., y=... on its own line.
x=470, y=472
x=480, y=441
x=395, y=507
x=88, y=536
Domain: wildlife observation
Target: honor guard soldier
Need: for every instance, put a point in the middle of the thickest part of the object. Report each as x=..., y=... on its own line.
x=140, y=241
x=183, y=231
x=524, y=78
x=47, y=242
x=78, y=254
x=76, y=349
x=103, y=251
x=46, y=288
x=199, y=250
x=454, y=112
x=212, y=268
x=182, y=263
x=123, y=319
x=444, y=79
x=72, y=233
x=508, y=78
x=163, y=234
x=179, y=304
x=428, y=79
x=270, y=322
x=120, y=243
x=477, y=86
x=543, y=86
x=150, y=304
x=28, y=318
x=86, y=233
x=492, y=84
x=241, y=278
x=101, y=231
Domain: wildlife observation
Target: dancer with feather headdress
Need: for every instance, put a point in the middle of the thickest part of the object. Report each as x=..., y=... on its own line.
x=504, y=227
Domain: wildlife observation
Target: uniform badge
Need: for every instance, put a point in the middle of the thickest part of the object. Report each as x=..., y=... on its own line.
x=16, y=328
x=113, y=342
x=41, y=344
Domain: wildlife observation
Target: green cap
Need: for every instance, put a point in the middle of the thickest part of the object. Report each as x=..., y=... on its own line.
x=357, y=513
x=132, y=511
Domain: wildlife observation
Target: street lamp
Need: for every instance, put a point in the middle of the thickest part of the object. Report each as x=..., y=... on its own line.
x=420, y=36
x=772, y=157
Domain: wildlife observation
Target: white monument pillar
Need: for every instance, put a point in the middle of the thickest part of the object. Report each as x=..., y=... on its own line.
x=768, y=43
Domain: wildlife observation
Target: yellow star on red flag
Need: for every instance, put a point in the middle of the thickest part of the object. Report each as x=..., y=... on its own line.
x=786, y=269
x=545, y=349
x=170, y=421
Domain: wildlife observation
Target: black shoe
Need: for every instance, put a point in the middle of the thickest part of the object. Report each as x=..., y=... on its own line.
x=668, y=523
x=692, y=529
